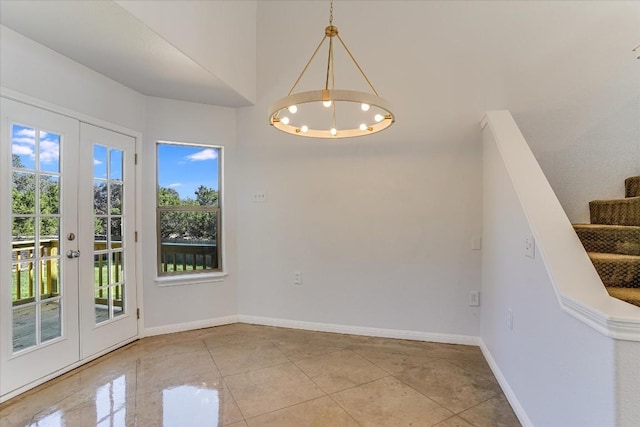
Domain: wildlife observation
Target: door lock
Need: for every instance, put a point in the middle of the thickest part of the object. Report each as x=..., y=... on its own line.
x=73, y=254
x=71, y=236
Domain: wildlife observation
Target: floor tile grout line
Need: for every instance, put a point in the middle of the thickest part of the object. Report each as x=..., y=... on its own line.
x=422, y=394
x=224, y=381
x=286, y=407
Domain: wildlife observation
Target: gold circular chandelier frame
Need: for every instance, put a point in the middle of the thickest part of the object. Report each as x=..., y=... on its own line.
x=335, y=95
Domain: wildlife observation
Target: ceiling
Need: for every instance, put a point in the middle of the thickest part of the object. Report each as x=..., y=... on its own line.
x=108, y=39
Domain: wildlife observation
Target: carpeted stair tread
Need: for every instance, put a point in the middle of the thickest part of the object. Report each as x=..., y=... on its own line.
x=616, y=270
x=616, y=212
x=613, y=239
x=630, y=295
x=632, y=187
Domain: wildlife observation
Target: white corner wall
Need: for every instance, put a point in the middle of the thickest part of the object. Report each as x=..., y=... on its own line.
x=381, y=228
x=181, y=307
x=37, y=71
x=29, y=68
x=218, y=35
x=555, y=370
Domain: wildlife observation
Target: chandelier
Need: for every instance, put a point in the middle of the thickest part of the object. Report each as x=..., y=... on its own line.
x=330, y=112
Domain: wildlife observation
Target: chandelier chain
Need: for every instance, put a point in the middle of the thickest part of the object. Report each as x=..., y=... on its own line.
x=331, y=13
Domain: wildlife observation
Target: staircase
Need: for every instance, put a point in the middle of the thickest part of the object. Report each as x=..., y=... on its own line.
x=612, y=241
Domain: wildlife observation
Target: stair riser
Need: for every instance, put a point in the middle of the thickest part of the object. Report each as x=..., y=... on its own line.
x=619, y=212
x=612, y=241
x=620, y=274
x=632, y=187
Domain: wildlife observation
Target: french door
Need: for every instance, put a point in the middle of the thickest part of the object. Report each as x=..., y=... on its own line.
x=67, y=279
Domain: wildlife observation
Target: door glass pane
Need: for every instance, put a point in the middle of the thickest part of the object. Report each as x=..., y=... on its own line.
x=99, y=161
x=49, y=235
x=24, y=327
x=99, y=197
x=117, y=270
x=23, y=147
x=116, y=165
x=116, y=233
x=100, y=233
x=23, y=193
x=22, y=283
x=49, y=194
x=51, y=320
x=101, y=270
x=23, y=230
x=49, y=278
x=49, y=151
x=101, y=306
x=115, y=204
x=117, y=301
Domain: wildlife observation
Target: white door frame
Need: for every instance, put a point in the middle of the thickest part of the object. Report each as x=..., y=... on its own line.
x=35, y=102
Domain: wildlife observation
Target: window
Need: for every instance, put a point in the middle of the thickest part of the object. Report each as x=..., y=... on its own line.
x=189, y=209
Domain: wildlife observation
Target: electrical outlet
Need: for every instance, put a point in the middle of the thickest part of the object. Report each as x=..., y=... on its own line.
x=530, y=247
x=474, y=298
x=259, y=197
x=510, y=319
x=297, y=278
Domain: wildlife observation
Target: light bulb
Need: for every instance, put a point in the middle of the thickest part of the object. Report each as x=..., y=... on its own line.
x=304, y=128
x=379, y=118
x=327, y=103
x=333, y=131
x=363, y=126
x=285, y=120
x=293, y=109
x=365, y=107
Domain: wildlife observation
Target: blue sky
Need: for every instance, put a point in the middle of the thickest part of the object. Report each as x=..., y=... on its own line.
x=181, y=167
x=23, y=144
x=184, y=168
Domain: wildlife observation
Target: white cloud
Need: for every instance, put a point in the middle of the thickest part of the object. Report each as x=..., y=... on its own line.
x=49, y=151
x=206, y=154
x=24, y=140
x=21, y=150
x=97, y=162
x=175, y=184
x=31, y=133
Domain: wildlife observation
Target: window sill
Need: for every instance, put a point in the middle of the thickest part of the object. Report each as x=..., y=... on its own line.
x=190, y=279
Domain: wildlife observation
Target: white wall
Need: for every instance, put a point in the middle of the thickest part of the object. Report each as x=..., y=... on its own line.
x=556, y=370
x=179, y=121
x=381, y=228
x=37, y=71
x=218, y=35
x=30, y=68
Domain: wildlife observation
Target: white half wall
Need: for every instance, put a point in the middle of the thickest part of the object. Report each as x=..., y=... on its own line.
x=555, y=370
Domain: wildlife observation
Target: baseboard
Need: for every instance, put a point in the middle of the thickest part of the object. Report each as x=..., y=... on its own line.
x=361, y=330
x=189, y=326
x=508, y=392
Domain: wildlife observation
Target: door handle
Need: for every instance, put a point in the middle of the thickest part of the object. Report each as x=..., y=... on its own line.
x=73, y=254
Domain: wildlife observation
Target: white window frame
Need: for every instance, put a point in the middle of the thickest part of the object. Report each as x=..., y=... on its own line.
x=193, y=276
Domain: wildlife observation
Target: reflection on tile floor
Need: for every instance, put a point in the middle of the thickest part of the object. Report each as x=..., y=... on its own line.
x=248, y=375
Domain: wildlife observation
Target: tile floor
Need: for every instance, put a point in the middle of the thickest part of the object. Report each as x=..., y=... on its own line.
x=248, y=375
